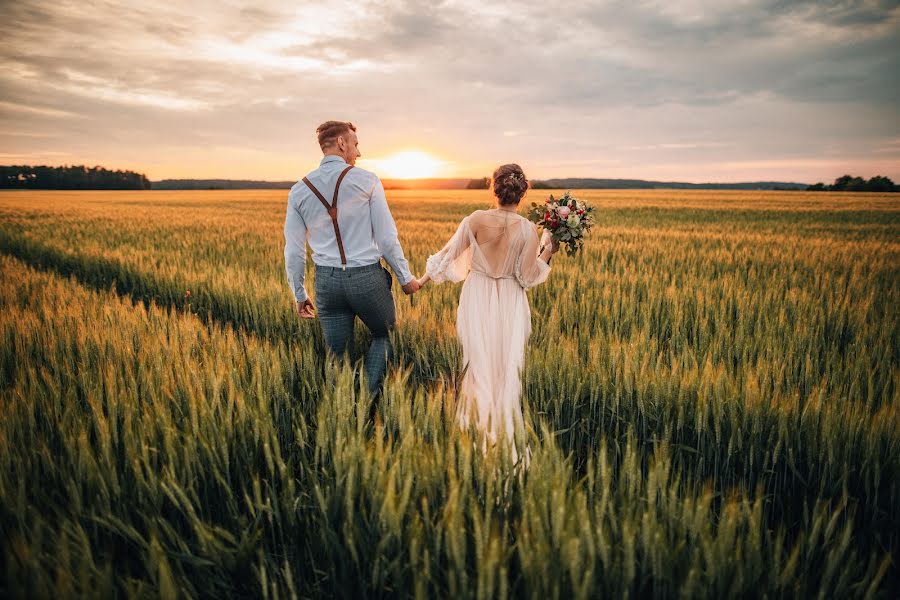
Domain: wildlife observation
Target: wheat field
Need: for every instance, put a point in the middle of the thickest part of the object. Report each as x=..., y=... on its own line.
x=712, y=394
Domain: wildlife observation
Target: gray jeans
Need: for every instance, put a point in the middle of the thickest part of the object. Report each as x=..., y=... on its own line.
x=364, y=292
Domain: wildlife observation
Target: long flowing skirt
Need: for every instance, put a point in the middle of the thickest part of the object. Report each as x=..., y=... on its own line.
x=493, y=322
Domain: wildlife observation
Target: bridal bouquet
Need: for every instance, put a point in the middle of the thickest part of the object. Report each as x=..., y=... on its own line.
x=566, y=218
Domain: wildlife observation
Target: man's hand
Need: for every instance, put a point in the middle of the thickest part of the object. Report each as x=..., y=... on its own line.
x=306, y=310
x=412, y=287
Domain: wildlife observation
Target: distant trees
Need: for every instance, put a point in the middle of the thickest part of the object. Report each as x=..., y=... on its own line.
x=882, y=184
x=70, y=178
x=220, y=184
x=482, y=183
x=849, y=183
x=581, y=183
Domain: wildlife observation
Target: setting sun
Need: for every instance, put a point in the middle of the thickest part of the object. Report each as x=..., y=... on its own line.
x=411, y=164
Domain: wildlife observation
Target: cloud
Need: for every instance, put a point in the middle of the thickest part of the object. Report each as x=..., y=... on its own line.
x=14, y=107
x=677, y=146
x=699, y=84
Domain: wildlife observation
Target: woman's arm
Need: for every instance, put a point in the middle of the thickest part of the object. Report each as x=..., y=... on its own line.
x=451, y=263
x=549, y=247
x=532, y=267
x=548, y=252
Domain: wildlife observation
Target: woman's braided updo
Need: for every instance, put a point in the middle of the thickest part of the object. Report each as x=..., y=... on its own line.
x=509, y=184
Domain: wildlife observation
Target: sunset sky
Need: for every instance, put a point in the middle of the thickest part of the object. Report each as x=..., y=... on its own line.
x=701, y=90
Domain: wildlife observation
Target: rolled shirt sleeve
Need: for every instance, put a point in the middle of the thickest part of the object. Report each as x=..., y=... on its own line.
x=385, y=231
x=295, y=250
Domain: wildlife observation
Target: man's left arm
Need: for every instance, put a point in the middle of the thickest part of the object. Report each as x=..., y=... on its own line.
x=385, y=231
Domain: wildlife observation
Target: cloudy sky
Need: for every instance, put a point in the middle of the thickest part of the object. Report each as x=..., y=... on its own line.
x=697, y=90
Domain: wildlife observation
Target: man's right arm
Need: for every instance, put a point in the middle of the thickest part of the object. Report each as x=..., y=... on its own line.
x=295, y=249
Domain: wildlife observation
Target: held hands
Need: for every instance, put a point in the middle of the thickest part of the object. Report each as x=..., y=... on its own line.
x=415, y=285
x=412, y=287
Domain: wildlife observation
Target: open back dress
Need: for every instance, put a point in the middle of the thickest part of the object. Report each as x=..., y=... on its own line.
x=496, y=253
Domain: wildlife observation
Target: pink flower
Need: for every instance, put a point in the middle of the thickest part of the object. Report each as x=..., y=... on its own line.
x=563, y=212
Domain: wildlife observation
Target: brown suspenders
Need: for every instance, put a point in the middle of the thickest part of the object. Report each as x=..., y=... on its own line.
x=332, y=210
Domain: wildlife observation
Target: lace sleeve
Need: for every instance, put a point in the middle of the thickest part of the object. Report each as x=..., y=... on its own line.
x=453, y=261
x=530, y=270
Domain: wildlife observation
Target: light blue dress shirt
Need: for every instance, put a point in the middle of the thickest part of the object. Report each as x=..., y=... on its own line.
x=367, y=227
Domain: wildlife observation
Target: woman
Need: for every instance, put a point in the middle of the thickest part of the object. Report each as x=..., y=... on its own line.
x=497, y=253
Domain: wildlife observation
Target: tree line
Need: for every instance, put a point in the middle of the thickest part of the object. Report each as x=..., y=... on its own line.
x=80, y=177
x=221, y=184
x=76, y=177
x=849, y=183
x=846, y=183
x=582, y=183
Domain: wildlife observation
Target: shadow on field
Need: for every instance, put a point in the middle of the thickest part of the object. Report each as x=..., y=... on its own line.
x=230, y=310
x=233, y=311
x=106, y=274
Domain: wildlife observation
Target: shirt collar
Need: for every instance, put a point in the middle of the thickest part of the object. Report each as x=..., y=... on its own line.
x=328, y=158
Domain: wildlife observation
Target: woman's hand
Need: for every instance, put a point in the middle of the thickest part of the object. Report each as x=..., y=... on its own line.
x=423, y=280
x=548, y=244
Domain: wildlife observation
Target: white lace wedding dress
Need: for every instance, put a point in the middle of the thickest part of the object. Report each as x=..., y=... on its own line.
x=496, y=252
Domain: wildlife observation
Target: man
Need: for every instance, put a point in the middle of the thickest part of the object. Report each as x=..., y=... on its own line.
x=343, y=211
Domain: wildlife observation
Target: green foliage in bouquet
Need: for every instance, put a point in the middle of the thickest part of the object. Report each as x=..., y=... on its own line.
x=566, y=218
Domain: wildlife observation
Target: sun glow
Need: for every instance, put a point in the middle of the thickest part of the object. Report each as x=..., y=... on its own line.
x=412, y=164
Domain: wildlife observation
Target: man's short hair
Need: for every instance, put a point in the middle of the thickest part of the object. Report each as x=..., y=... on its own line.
x=329, y=131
